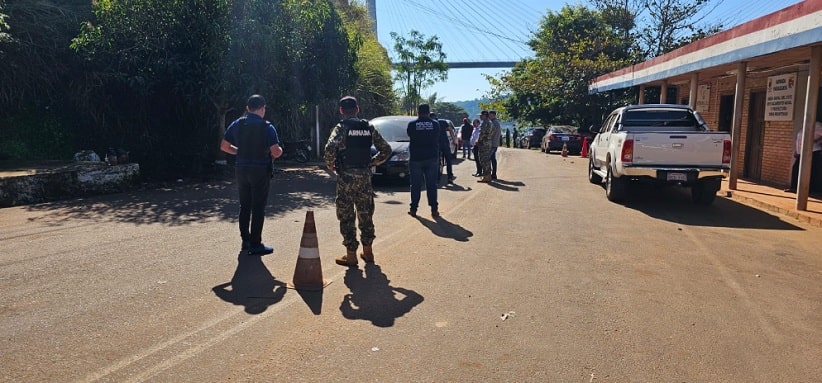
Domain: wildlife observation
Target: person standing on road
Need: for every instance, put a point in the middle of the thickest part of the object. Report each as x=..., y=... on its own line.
x=816, y=161
x=445, y=147
x=496, y=137
x=255, y=143
x=465, y=134
x=475, y=148
x=485, y=143
x=348, y=153
x=507, y=138
x=515, y=135
x=424, y=162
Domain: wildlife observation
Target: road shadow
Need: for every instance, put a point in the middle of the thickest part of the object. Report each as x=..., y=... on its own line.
x=456, y=187
x=373, y=299
x=674, y=204
x=506, y=185
x=184, y=203
x=252, y=286
x=312, y=299
x=441, y=227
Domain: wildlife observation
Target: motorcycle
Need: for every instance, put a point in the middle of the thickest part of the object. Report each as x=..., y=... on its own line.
x=299, y=151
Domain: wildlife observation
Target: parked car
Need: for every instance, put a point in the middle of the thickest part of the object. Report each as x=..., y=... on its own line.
x=557, y=136
x=532, y=138
x=394, y=130
x=664, y=144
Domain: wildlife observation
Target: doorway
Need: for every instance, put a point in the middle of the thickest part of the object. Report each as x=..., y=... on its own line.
x=755, y=140
x=726, y=113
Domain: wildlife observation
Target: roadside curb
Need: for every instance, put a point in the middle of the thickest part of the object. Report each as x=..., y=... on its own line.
x=793, y=213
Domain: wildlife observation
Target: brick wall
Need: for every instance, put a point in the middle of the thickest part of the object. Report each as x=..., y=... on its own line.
x=777, y=152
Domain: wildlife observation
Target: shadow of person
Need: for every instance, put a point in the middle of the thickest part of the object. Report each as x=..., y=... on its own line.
x=441, y=227
x=252, y=286
x=505, y=185
x=509, y=183
x=373, y=299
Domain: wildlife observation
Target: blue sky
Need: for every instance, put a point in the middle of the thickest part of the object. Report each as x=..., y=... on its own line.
x=497, y=30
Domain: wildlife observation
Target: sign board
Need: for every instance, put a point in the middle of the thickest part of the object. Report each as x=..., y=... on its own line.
x=780, y=97
x=703, y=98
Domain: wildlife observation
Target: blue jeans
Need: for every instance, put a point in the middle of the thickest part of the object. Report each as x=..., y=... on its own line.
x=424, y=171
x=466, y=148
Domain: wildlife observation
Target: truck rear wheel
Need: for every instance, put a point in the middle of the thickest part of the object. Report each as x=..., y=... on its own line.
x=614, y=187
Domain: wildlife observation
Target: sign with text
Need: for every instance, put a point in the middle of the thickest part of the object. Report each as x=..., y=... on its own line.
x=780, y=97
x=703, y=98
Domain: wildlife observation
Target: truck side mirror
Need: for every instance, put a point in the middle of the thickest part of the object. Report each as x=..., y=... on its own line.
x=593, y=129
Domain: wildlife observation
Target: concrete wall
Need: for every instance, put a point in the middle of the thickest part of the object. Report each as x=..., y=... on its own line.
x=80, y=179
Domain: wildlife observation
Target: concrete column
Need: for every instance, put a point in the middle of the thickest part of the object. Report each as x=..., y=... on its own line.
x=811, y=98
x=736, y=127
x=641, y=94
x=663, y=93
x=692, y=94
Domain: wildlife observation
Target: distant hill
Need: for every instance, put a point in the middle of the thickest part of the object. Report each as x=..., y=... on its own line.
x=472, y=106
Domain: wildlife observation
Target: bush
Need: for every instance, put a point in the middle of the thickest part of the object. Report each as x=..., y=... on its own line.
x=34, y=136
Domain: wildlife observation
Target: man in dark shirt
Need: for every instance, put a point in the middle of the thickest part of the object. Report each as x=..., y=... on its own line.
x=445, y=148
x=465, y=135
x=424, y=162
x=254, y=141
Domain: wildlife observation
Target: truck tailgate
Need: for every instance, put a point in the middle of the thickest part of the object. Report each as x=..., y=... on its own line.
x=687, y=149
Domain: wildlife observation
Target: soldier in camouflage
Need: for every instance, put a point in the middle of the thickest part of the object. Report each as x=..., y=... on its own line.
x=485, y=148
x=348, y=153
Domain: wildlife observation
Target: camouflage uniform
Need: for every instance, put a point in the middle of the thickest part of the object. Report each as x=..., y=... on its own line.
x=484, y=142
x=355, y=195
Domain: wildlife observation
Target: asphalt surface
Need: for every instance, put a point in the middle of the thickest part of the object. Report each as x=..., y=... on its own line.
x=535, y=278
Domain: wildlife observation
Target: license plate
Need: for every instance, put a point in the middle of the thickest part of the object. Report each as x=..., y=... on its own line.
x=677, y=177
x=566, y=138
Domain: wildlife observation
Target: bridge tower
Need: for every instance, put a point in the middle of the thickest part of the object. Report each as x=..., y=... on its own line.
x=371, y=5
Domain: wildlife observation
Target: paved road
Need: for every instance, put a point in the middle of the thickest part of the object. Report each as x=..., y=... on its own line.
x=148, y=286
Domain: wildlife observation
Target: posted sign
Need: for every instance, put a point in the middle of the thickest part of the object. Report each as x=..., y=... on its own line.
x=780, y=97
x=703, y=98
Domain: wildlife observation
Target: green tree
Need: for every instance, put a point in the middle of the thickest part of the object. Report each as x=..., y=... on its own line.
x=36, y=63
x=373, y=86
x=571, y=47
x=672, y=24
x=420, y=64
x=152, y=67
x=37, y=75
x=166, y=75
x=4, y=26
x=449, y=111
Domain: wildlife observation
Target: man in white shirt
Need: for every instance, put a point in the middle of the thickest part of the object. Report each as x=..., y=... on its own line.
x=816, y=161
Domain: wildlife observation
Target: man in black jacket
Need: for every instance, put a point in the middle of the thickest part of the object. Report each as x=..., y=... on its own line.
x=424, y=162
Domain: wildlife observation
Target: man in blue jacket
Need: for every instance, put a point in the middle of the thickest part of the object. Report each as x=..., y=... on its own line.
x=255, y=142
x=424, y=162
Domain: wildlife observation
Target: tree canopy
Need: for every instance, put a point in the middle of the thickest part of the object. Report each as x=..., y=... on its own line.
x=420, y=63
x=162, y=78
x=577, y=44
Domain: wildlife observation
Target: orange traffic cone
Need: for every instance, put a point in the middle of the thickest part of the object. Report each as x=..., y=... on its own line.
x=565, y=150
x=584, y=152
x=308, y=275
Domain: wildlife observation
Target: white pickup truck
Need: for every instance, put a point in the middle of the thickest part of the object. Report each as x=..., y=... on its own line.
x=668, y=144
